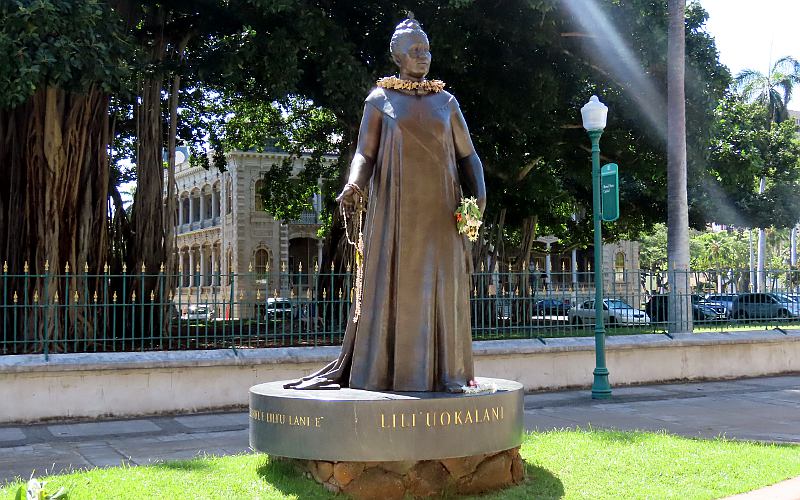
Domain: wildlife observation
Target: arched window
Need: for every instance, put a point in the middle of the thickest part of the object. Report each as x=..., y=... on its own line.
x=230, y=266
x=619, y=267
x=228, y=198
x=262, y=262
x=257, y=195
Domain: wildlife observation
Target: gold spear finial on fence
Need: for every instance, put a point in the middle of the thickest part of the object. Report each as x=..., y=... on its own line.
x=332, y=268
x=25, y=267
x=249, y=267
x=483, y=268
x=475, y=291
x=85, y=268
x=268, y=266
x=291, y=293
x=308, y=292
x=496, y=266
x=124, y=267
x=300, y=268
x=105, y=268
x=516, y=291
x=258, y=294
x=66, y=268
x=36, y=296
x=197, y=268
x=275, y=293
x=530, y=290
x=114, y=297
x=55, y=298
x=46, y=265
x=161, y=268
x=283, y=266
x=348, y=267
x=509, y=267
x=352, y=294
x=15, y=296
x=95, y=297
x=324, y=293
x=144, y=268
x=5, y=267
x=316, y=266
x=152, y=295
x=75, y=297
x=340, y=294
x=241, y=294
x=133, y=296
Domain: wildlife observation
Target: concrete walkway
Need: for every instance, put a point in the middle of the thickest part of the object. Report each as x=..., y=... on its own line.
x=763, y=409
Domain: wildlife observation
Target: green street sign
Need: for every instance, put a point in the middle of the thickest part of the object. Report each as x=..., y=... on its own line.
x=609, y=192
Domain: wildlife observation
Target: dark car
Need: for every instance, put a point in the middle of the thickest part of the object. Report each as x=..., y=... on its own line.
x=764, y=306
x=726, y=299
x=550, y=307
x=702, y=310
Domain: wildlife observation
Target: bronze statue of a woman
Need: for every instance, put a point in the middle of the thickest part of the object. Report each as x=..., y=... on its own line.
x=414, y=162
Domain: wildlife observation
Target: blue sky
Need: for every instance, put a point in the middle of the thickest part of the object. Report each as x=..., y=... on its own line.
x=751, y=34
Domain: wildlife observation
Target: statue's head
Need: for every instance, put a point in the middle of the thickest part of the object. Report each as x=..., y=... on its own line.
x=410, y=49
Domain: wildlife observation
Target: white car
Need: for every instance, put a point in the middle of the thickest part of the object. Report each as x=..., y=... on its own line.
x=615, y=312
x=199, y=313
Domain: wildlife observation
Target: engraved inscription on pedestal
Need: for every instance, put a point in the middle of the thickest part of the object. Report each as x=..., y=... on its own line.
x=356, y=425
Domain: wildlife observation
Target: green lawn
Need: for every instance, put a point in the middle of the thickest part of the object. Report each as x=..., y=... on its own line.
x=588, y=464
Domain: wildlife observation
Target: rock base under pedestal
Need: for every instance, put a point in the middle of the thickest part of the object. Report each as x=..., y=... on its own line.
x=424, y=478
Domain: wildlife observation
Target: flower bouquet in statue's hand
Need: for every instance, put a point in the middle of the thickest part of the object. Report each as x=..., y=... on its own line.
x=468, y=218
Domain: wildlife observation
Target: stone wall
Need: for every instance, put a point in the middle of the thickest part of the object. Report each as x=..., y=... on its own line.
x=129, y=384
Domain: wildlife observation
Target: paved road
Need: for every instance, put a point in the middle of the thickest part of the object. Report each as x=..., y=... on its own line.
x=765, y=409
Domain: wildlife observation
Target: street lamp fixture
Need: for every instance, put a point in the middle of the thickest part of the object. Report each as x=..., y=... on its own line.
x=594, y=114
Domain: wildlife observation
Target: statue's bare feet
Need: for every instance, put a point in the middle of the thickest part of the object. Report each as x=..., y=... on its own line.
x=316, y=383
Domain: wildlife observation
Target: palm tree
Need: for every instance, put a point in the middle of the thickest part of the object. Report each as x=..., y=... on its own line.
x=680, y=317
x=773, y=91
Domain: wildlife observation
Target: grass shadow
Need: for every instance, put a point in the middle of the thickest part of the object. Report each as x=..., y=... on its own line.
x=539, y=484
x=290, y=481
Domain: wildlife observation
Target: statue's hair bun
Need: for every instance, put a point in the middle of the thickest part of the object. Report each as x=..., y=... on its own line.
x=406, y=27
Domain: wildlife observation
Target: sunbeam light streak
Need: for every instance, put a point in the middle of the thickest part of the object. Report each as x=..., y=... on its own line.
x=605, y=41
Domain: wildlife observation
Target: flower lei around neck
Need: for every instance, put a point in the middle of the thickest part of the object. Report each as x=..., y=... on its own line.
x=394, y=83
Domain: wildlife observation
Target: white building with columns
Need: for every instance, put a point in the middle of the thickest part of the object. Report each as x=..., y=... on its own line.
x=228, y=248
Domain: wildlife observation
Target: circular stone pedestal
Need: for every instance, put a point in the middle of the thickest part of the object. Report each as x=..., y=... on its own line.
x=414, y=435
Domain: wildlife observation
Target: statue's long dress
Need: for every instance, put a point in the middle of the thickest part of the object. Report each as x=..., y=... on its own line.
x=414, y=330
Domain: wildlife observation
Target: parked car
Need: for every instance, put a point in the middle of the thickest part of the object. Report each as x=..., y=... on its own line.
x=278, y=309
x=199, y=313
x=726, y=299
x=702, y=309
x=550, y=307
x=765, y=305
x=615, y=312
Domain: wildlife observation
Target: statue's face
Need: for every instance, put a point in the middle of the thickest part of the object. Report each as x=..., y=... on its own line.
x=413, y=55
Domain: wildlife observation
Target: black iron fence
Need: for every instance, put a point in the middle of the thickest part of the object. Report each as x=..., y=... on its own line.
x=100, y=312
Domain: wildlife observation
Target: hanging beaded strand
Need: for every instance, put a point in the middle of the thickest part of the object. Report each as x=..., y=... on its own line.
x=357, y=241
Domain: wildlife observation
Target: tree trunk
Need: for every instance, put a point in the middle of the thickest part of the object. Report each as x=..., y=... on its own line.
x=170, y=264
x=53, y=156
x=762, y=247
x=680, y=312
x=148, y=249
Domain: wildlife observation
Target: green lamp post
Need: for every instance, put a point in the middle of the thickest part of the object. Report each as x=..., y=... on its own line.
x=594, y=115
